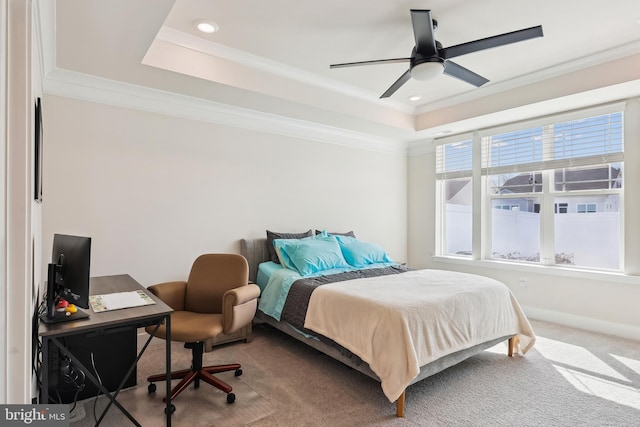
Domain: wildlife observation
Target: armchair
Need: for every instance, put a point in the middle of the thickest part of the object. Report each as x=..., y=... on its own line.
x=215, y=300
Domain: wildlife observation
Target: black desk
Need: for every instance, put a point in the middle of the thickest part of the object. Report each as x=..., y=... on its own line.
x=137, y=317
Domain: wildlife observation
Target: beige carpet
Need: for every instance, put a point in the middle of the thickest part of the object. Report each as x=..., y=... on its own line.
x=570, y=378
x=205, y=406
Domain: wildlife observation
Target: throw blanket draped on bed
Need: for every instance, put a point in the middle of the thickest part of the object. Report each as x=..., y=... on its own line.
x=401, y=322
x=294, y=310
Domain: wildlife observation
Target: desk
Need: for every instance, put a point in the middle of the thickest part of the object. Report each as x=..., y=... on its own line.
x=137, y=317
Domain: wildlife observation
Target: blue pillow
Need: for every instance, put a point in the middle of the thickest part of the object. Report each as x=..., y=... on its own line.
x=310, y=255
x=280, y=246
x=272, y=235
x=359, y=253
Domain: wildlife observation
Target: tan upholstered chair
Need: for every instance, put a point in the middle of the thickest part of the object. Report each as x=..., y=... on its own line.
x=216, y=299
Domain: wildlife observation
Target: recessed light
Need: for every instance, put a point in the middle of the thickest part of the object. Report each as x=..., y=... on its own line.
x=207, y=27
x=415, y=98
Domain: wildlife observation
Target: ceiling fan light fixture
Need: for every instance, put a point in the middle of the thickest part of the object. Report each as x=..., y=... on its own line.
x=428, y=56
x=427, y=70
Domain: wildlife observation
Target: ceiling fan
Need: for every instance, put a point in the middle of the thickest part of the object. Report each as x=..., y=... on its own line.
x=429, y=59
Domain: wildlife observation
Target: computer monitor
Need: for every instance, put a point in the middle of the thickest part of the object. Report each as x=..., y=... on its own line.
x=68, y=278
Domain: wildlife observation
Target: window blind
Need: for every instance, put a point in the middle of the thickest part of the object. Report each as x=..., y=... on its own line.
x=454, y=159
x=580, y=142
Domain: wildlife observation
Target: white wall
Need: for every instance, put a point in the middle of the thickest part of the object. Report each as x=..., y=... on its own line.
x=19, y=85
x=154, y=191
x=601, y=302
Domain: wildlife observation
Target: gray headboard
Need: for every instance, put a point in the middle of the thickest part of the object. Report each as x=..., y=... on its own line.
x=255, y=251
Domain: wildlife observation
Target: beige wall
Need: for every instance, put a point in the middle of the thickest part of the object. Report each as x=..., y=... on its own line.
x=154, y=191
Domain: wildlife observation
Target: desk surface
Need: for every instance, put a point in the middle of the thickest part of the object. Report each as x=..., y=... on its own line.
x=107, y=319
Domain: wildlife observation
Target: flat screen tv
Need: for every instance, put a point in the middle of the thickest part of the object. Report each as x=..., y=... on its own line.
x=68, y=279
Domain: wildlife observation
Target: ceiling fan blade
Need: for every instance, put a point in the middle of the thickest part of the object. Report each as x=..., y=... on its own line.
x=458, y=71
x=490, y=42
x=423, y=32
x=394, y=87
x=375, y=61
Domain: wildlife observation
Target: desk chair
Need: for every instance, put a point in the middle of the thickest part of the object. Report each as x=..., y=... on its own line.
x=216, y=299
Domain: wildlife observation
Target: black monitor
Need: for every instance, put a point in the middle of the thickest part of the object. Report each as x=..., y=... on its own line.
x=68, y=278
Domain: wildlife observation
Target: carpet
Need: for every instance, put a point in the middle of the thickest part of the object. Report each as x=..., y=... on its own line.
x=570, y=378
x=204, y=406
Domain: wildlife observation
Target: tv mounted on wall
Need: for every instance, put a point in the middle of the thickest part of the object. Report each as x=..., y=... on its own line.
x=37, y=179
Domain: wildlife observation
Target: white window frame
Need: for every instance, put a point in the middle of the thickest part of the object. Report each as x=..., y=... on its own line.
x=440, y=239
x=482, y=201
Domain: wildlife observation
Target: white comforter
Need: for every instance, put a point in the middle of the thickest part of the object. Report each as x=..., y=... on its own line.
x=399, y=323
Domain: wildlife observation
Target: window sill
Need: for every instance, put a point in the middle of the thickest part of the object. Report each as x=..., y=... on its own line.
x=553, y=270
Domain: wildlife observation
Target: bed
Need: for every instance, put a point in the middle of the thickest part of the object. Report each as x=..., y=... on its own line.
x=391, y=323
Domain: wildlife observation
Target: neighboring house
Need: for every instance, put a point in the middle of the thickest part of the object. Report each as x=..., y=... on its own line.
x=565, y=180
x=459, y=192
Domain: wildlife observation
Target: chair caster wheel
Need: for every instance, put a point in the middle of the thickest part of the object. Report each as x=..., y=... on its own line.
x=231, y=398
x=238, y=372
x=151, y=388
x=172, y=409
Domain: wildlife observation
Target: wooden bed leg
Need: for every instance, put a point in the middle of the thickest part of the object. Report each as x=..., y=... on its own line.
x=513, y=345
x=400, y=405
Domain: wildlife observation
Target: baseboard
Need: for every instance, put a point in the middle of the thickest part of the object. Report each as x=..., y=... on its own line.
x=586, y=323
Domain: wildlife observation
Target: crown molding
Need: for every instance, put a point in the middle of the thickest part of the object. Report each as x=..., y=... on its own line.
x=85, y=87
x=44, y=15
x=189, y=41
x=534, y=77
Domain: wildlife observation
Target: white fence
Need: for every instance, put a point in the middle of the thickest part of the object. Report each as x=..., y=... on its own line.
x=591, y=239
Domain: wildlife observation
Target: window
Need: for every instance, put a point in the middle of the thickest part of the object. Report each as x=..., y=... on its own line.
x=586, y=207
x=455, y=185
x=550, y=190
x=588, y=235
x=507, y=207
x=515, y=234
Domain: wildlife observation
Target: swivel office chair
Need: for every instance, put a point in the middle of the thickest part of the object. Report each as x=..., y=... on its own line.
x=216, y=299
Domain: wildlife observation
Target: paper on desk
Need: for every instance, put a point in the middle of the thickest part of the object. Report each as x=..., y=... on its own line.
x=119, y=300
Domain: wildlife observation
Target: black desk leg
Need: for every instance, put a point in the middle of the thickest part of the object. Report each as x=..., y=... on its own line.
x=44, y=371
x=95, y=381
x=129, y=372
x=167, y=344
x=44, y=391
